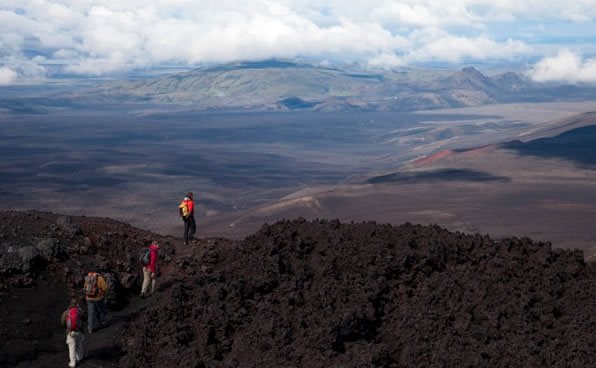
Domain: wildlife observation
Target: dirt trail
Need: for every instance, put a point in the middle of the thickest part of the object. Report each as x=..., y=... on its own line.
x=35, y=290
x=101, y=348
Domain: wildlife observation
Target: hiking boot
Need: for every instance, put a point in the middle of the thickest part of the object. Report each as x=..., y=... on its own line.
x=194, y=240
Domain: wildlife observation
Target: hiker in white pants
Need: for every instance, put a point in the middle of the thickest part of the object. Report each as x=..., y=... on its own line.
x=148, y=278
x=149, y=262
x=75, y=340
x=72, y=319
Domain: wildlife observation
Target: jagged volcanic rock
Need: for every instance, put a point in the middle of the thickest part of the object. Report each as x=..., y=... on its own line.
x=325, y=294
x=298, y=294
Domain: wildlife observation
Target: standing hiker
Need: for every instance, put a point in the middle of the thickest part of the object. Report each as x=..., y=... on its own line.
x=95, y=290
x=72, y=319
x=149, y=262
x=187, y=212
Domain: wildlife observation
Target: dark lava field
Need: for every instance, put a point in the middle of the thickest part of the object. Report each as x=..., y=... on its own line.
x=297, y=294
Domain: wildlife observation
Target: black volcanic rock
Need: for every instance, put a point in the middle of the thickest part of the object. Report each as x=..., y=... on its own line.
x=39, y=274
x=325, y=294
x=51, y=248
x=302, y=294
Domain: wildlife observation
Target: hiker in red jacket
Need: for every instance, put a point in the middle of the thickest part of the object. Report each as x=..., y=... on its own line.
x=72, y=319
x=187, y=212
x=150, y=270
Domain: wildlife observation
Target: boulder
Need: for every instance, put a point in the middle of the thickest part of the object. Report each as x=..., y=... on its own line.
x=10, y=260
x=28, y=255
x=114, y=296
x=128, y=280
x=67, y=227
x=51, y=248
x=102, y=263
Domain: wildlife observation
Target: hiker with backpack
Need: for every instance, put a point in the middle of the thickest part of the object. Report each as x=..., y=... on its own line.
x=149, y=263
x=187, y=212
x=95, y=290
x=72, y=319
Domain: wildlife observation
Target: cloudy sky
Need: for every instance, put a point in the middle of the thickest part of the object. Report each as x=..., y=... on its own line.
x=39, y=38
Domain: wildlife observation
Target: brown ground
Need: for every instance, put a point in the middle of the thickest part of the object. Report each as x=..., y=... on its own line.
x=545, y=189
x=300, y=294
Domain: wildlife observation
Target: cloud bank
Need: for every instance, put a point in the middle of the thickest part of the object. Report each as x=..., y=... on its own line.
x=566, y=66
x=98, y=37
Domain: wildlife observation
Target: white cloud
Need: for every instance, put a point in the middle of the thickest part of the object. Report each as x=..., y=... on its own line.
x=17, y=68
x=99, y=66
x=385, y=61
x=438, y=45
x=101, y=36
x=7, y=76
x=404, y=14
x=566, y=66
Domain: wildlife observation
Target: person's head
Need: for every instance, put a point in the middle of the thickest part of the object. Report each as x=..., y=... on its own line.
x=156, y=244
x=73, y=302
x=189, y=195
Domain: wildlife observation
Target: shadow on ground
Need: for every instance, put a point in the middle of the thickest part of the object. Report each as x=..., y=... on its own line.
x=576, y=145
x=438, y=175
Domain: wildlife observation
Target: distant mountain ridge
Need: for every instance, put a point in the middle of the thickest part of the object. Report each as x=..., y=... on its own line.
x=284, y=85
x=277, y=85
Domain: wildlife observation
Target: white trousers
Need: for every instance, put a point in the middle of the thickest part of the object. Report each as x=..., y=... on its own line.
x=74, y=340
x=147, y=279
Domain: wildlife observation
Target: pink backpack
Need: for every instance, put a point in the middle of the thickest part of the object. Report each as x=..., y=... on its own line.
x=73, y=319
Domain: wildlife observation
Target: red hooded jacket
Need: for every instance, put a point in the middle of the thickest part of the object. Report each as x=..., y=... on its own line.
x=153, y=249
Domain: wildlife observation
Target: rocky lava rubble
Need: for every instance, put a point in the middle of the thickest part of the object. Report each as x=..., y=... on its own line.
x=326, y=294
x=43, y=259
x=299, y=294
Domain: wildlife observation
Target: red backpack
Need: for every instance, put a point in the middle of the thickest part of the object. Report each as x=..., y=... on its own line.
x=73, y=319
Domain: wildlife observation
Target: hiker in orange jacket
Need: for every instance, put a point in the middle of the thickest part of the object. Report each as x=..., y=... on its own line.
x=72, y=320
x=187, y=212
x=95, y=290
x=150, y=270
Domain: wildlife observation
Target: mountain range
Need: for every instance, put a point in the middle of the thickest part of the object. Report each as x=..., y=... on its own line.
x=280, y=86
